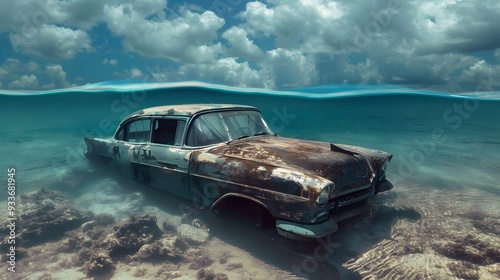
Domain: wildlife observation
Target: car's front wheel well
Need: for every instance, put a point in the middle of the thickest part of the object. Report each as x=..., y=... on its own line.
x=244, y=208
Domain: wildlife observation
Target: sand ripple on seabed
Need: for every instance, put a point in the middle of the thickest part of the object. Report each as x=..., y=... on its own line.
x=457, y=236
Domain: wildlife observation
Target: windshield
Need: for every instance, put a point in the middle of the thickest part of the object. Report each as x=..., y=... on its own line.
x=217, y=127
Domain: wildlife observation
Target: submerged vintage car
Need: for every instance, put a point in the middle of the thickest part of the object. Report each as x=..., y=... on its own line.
x=214, y=153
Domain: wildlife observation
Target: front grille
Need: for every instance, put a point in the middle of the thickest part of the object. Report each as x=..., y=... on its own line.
x=351, y=198
x=354, y=186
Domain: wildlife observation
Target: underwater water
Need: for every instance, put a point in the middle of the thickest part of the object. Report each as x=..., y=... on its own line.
x=441, y=220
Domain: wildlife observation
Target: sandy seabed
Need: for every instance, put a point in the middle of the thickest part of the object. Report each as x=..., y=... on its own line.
x=113, y=232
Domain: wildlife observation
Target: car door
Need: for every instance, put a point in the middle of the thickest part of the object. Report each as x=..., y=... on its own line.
x=167, y=161
x=128, y=149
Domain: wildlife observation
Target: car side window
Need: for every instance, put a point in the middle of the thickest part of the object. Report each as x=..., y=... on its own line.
x=168, y=131
x=138, y=131
x=121, y=134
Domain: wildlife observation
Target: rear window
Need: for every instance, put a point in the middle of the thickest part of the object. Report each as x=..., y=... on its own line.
x=137, y=131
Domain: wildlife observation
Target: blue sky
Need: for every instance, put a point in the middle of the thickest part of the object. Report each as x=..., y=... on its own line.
x=277, y=44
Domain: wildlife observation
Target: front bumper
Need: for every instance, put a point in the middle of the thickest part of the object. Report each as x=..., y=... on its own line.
x=305, y=231
x=383, y=186
x=311, y=231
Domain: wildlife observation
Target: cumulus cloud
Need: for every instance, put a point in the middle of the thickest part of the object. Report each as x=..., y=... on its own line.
x=225, y=71
x=240, y=44
x=188, y=38
x=57, y=75
x=18, y=15
x=109, y=61
x=28, y=15
x=461, y=26
x=12, y=68
x=52, y=42
x=259, y=18
x=364, y=72
x=84, y=14
x=419, y=43
x=31, y=66
x=136, y=73
x=9, y=68
x=25, y=75
x=311, y=26
x=25, y=82
x=290, y=68
x=272, y=43
x=481, y=73
x=312, y=40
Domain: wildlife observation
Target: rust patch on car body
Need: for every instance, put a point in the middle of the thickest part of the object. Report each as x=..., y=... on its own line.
x=319, y=162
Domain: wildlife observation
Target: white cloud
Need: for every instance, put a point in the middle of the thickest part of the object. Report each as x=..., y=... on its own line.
x=241, y=46
x=275, y=43
x=57, y=75
x=433, y=71
x=25, y=82
x=135, y=73
x=225, y=71
x=295, y=24
x=9, y=68
x=287, y=68
x=259, y=18
x=109, y=61
x=23, y=75
x=52, y=42
x=481, y=73
x=422, y=43
x=3, y=72
x=84, y=14
x=12, y=68
x=461, y=26
x=29, y=15
x=18, y=15
x=365, y=72
x=31, y=66
x=189, y=38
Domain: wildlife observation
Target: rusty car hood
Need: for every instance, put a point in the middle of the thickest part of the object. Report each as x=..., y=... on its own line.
x=307, y=156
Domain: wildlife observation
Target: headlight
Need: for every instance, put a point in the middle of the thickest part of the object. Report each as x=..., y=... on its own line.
x=382, y=170
x=322, y=199
x=384, y=166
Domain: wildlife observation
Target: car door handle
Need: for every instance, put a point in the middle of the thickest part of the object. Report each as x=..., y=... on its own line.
x=167, y=164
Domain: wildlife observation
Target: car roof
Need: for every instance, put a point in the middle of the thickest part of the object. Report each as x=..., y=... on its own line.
x=185, y=110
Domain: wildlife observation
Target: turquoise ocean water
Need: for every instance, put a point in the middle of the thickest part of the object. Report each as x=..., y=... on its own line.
x=446, y=165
